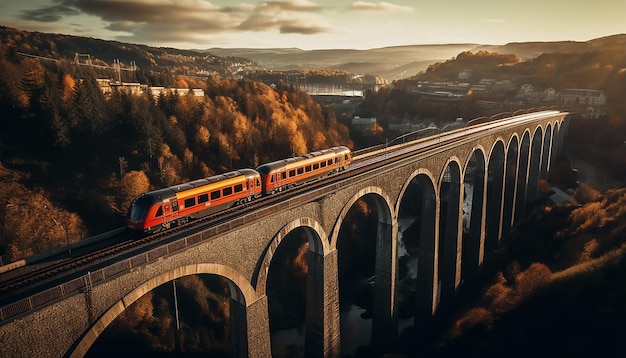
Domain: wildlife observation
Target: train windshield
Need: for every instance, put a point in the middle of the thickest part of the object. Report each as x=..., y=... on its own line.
x=139, y=208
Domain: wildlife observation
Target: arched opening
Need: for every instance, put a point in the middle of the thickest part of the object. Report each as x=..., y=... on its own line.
x=193, y=314
x=295, y=294
x=509, y=185
x=365, y=249
x=534, y=166
x=495, y=184
x=554, y=151
x=522, y=178
x=449, y=244
x=545, y=155
x=416, y=259
x=473, y=198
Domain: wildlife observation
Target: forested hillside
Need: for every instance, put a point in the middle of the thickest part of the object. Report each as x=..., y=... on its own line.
x=73, y=156
x=147, y=60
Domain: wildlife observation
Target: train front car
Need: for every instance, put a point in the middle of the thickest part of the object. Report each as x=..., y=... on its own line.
x=146, y=211
x=161, y=209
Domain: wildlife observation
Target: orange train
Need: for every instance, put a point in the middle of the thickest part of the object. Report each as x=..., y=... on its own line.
x=163, y=208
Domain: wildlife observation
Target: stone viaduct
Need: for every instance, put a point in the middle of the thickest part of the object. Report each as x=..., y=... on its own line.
x=464, y=197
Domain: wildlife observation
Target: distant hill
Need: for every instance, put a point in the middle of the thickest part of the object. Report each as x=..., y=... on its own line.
x=400, y=62
x=389, y=62
x=530, y=50
x=105, y=53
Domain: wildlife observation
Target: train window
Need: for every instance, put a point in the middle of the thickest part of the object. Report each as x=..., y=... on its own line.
x=292, y=173
x=283, y=175
x=238, y=188
x=203, y=198
x=345, y=157
x=307, y=168
x=174, y=205
x=300, y=170
x=159, y=212
x=215, y=195
x=258, y=182
x=190, y=202
x=323, y=164
x=336, y=160
x=330, y=162
x=316, y=166
x=227, y=191
x=272, y=179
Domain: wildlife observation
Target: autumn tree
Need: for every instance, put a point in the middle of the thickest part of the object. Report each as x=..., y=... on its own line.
x=82, y=133
x=133, y=183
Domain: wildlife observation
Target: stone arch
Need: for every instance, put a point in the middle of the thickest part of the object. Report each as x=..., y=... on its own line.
x=522, y=176
x=477, y=148
x=554, y=142
x=494, y=195
x=314, y=315
x=390, y=216
x=382, y=287
x=241, y=292
x=534, y=166
x=510, y=180
x=449, y=247
x=546, y=152
x=420, y=171
x=560, y=129
x=424, y=233
x=473, y=195
x=555, y=149
x=318, y=245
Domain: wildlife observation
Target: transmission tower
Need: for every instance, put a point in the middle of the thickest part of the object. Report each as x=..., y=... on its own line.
x=86, y=56
x=117, y=69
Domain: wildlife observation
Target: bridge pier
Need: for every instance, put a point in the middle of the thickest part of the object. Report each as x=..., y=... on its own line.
x=449, y=238
x=322, y=309
x=238, y=333
x=258, y=327
x=385, y=325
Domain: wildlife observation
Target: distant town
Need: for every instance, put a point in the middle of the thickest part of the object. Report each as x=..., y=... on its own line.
x=504, y=95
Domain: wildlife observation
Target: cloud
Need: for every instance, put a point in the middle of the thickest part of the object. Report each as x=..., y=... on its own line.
x=305, y=30
x=293, y=17
x=48, y=14
x=379, y=7
x=293, y=5
x=145, y=11
x=189, y=20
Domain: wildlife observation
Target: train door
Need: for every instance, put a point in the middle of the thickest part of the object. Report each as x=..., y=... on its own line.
x=280, y=179
x=251, y=184
x=170, y=210
x=174, y=208
x=167, y=211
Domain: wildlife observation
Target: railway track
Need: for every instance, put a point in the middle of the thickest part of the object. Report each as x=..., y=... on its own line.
x=15, y=287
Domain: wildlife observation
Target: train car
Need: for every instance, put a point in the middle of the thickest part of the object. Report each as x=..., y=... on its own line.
x=279, y=175
x=160, y=209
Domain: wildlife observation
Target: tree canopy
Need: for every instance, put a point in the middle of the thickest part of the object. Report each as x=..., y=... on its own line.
x=94, y=151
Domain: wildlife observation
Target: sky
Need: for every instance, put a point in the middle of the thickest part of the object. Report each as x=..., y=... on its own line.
x=318, y=24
